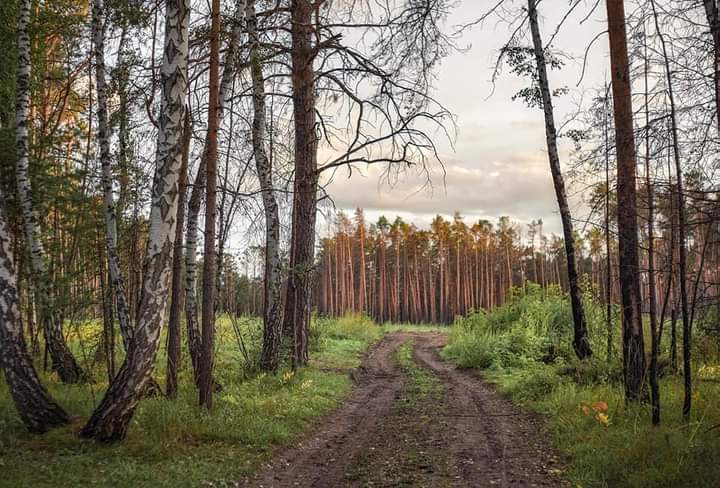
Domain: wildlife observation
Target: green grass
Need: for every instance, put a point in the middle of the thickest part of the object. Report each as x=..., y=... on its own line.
x=613, y=447
x=174, y=442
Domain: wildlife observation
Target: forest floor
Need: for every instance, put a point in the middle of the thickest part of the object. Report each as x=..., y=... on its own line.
x=413, y=419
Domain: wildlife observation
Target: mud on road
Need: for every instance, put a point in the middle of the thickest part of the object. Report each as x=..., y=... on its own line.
x=392, y=431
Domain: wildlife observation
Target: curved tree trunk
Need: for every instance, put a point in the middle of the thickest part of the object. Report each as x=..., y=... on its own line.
x=63, y=362
x=196, y=195
x=116, y=280
x=272, y=310
x=110, y=420
x=37, y=409
x=581, y=344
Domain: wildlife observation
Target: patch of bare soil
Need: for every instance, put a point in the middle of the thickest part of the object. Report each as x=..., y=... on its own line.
x=492, y=442
x=396, y=430
x=324, y=457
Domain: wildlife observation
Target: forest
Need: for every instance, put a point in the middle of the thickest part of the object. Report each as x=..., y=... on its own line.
x=188, y=297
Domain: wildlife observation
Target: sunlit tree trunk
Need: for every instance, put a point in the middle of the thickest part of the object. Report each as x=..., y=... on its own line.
x=111, y=418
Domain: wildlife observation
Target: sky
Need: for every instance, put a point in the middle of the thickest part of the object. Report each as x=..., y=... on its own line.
x=498, y=165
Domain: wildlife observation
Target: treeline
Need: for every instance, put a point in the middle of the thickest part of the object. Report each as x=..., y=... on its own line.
x=397, y=272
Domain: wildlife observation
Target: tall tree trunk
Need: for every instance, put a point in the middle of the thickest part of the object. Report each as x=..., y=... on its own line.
x=176, y=288
x=608, y=245
x=682, y=228
x=209, y=256
x=297, y=306
x=37, y=409
x=272, y=308
x=63, y=362
x=111, y=418
x=581, y=344
x=117, y=284
x=713, y=18
x=196, y=195
x=633, y=345
x=654, y=338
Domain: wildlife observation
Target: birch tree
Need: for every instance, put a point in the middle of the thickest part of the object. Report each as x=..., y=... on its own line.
x=63, y=361
x=110, y=214
x=111, y=418
x=272, y=309
x=37, y=409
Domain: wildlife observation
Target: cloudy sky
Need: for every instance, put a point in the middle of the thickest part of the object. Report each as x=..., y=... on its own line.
x=498, y=165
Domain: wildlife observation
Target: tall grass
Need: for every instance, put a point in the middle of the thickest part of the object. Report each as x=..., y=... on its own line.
x=525, y=348
x=174, y=442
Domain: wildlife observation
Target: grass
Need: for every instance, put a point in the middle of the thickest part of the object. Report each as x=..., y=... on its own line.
x=605, y=442
x=174, y=442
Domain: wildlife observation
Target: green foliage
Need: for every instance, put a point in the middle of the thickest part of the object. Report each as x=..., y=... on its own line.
x=607, y=443
x=532, y=326
x=175, y=442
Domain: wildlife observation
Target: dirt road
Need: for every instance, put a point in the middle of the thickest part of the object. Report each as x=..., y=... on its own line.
x=425, y=425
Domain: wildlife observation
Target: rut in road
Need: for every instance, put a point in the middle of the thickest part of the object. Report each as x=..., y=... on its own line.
x=389, y=432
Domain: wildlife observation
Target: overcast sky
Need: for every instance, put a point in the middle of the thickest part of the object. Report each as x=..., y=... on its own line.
x=498, y=165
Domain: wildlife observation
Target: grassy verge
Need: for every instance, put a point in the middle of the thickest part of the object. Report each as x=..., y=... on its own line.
x=174, y=442
x=606, y=442
x=405, y=451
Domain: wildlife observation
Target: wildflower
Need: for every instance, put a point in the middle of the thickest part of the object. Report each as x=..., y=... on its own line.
x=600, y=406
x=603, y=418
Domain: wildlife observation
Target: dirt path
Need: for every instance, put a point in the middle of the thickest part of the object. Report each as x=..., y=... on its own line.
x=403, y=427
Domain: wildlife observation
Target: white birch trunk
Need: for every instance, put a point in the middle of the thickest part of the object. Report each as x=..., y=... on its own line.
x=110, y=420
x=38, y=411
x=272, y=311
x=63, y=361
x=116, y=280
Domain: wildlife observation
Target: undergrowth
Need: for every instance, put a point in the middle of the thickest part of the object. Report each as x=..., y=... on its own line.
x=175, y=442
x=525, y=348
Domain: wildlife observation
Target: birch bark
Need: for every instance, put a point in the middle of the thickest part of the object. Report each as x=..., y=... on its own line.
x=111, y=418
x=272, y=311
x=37, y=409
x=63, y=362
x=117, y=283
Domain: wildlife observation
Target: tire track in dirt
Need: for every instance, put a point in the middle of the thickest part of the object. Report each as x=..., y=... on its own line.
x=322, y=459
x=488, y=441
x=492, y=442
